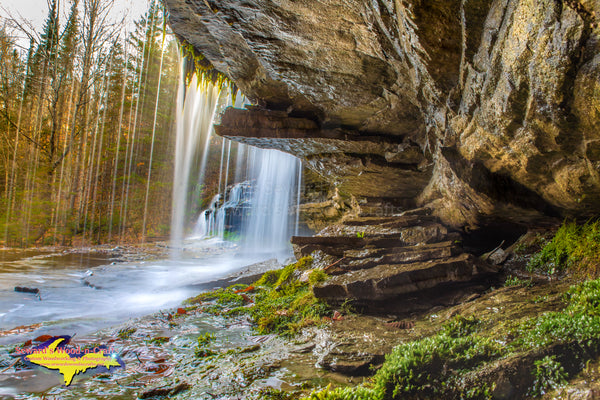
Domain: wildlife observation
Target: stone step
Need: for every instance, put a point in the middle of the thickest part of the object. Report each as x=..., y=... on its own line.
x=397, y=221
x=411, y=234
x=388, y=281
x=369, y=251
x=332, y=245
x=384, y=210
x=337, y=245
x=370, y=258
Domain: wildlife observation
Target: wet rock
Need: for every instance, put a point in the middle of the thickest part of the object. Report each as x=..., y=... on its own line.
x=335, y=246
x=401, y=324
x=89, y=284
x=498, y=257
x=351, y=364
x=389, y=281
x=376, y=259
x=369, y=258
x=164, y=391
x=22, y=289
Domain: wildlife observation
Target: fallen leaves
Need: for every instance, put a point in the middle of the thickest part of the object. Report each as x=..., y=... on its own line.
x=401, y=324
x=20, y=330
x=245, y=290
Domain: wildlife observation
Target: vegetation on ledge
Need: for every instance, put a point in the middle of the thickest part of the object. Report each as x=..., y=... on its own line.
x=464, y=358
x=535, y=336
x=281, y=301
x=574, y=247
x=447, y=364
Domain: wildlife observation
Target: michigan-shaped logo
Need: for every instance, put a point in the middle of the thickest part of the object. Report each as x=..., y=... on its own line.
x=56, y=354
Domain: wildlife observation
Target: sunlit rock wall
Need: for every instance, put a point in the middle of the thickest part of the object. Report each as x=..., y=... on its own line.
x=476, y=107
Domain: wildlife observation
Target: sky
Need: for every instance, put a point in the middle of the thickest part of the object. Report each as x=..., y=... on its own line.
x=35, y=11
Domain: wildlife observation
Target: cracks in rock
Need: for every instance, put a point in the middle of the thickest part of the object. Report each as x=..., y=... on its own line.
x=379, y=160
x=366, y=159
x=463, y=53
x=518, y=100
x=568, y=141
x=497, y=186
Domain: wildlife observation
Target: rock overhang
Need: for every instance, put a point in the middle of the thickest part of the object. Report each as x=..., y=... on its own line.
x=380, y=89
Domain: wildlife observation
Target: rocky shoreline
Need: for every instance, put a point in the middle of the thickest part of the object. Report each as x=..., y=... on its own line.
x=212, y=348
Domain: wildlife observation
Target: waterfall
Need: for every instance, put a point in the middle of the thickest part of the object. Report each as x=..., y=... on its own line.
x=256, y=209
x=271, y=223
x=227, y=216
x=196, y=108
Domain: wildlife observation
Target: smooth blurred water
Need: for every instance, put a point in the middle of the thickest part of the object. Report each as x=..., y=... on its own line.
x=196, y=107
x=112, y=294
x=272, y=222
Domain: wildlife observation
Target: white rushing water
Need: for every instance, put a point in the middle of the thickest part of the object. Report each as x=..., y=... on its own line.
x=83, y=292
x=196, y=108
x=257, y=206
x=261, y=210
x=271, y=222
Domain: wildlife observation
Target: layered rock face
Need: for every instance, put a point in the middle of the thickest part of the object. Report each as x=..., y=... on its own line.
x=396, y=264
x=478, y=111
x=474, y=107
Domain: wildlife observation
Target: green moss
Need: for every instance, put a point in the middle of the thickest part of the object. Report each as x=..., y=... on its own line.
x=461, y=326
x=276, y=394
x=126, y=333
x=574, y=247
x=585, y=298
x=204, y=341
x=196, y=63
x=159, y=340
x=269, y=278
x=223, y=297
x=285, y=305
x=425, y=368
x=434, y=367
x=317, y=276
x=549, y=375
x=579, y=321
x=516, y=281
x=206, y=338
x=280, y=302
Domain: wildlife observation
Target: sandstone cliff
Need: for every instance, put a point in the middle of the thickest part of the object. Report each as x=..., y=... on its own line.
x=475, y=108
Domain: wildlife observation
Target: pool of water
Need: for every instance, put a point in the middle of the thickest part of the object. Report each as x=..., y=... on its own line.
x=81, y=292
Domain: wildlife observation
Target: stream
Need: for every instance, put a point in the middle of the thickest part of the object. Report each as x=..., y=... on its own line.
x=84, y=291
x=95, y=294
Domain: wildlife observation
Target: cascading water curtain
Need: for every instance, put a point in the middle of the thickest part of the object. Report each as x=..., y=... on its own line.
x=271, y=223
x=196, y=106
x=265, y=198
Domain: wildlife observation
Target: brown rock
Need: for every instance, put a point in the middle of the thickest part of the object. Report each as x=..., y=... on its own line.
x=477, y=108
x=389, y=281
